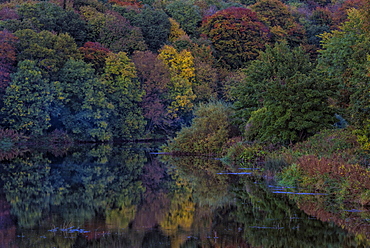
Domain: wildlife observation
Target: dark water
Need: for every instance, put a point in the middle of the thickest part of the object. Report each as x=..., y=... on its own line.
x=126, y=196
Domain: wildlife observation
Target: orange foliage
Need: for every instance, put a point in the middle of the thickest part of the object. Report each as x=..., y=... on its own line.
x=357, y=177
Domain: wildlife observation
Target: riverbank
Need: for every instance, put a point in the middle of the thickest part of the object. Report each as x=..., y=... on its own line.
x=331, y=162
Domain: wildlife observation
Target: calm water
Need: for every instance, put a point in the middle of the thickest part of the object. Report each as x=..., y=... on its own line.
x=126, y=196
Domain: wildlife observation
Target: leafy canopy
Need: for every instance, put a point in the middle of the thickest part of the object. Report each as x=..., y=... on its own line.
x=236, y=34
x=283, y=98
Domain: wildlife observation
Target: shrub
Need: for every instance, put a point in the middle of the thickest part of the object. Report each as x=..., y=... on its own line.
x=328, y=142
x=330, y=174
x=290, y=176
x=210, y=130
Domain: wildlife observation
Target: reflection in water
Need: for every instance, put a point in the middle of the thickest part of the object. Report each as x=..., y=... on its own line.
x=123, y=196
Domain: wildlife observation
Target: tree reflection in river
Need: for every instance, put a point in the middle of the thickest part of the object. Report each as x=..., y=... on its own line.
x=123, y=196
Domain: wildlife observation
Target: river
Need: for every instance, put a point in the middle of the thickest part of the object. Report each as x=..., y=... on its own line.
x=129, y=196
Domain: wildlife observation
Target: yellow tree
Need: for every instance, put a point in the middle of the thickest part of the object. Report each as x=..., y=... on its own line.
x=176, y=31
x=182, y=72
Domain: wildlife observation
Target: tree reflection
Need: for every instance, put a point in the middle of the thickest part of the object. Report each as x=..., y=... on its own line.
x=76, y=188
x=27, y=187
x=272, y=220
x=122, y=196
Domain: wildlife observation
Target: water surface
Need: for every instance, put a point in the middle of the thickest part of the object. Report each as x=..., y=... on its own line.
x=127, y=196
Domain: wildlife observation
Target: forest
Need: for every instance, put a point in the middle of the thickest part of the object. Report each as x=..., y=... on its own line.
x=269, y=70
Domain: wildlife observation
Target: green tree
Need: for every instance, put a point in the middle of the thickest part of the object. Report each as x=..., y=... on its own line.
x=289, y=99
x=186, y=14
x=154, y=25
x=81, y=106
x=28, y=99
x=49, y=16
x=123, y=94
x=344, y=59
x=48, y=50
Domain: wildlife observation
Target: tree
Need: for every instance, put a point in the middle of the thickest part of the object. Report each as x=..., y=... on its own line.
x=118, y=35
x=113, y=30
x=123, y=94
x=279, y=19
x=341, y=14
x=7, y=57
x=28, y=99
x=236, y=35
x=154, y=25
x=176, y=31
x=48, y=50
x=95, y=54
x=182, y=71
x=186, y=14
x=127, y=3
x=206, y=74
x=81, y=106
x=283, y=98
x=7, y=13
x=155, y=79
x=49, y=16
x=344, y=58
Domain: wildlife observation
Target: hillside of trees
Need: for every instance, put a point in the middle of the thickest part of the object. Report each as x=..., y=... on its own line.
x=103, y=70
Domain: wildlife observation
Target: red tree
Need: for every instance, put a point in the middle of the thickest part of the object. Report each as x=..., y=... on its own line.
x=236, y=34
x=154, y=78
x=7, y=57
x=95, y=54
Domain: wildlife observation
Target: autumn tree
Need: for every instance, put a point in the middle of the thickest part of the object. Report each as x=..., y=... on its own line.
x=341, y=14
x=113, y=30
x=155, y=78
x=237, y=35
x=279, y=19
x=7, y=57
x=95, y=54
x=206, y=74
x=182, y=72
x=176, y=32
x=7, y=13
x=127, y=3
x=119, y=35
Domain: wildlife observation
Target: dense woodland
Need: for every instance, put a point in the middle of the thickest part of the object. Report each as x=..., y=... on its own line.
x=268, y=70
